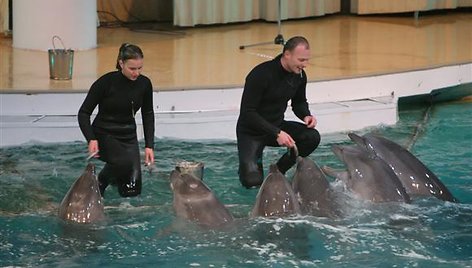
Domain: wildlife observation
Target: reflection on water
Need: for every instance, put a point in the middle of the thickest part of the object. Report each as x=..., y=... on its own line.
x=142, y=231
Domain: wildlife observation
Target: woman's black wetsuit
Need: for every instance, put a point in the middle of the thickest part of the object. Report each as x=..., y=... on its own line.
x=118, y=100
x=267, y=90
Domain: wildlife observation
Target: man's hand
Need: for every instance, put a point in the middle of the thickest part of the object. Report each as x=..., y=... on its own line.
x=283, y=139
x=310, y=121
x=93, y=148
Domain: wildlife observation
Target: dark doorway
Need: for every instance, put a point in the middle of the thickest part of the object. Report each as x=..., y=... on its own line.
x=345, y=6
x=10, y=15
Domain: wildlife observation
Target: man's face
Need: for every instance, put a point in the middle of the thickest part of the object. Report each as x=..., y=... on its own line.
x=131, y=68
x=297, y=59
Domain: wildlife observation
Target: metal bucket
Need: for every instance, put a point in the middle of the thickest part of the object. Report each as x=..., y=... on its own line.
x=61, y=61
x=192, y=168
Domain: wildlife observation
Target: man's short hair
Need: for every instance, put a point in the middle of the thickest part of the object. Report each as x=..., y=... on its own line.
x=293, y=42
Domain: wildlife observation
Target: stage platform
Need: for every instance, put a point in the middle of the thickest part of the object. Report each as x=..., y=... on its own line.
x=360, y=67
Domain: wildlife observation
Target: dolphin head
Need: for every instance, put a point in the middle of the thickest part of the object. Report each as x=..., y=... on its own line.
x=353, y=156
x=415, y=176
x=357, y=139
x=186, y=184
x=90, y=169
x=369, y=176
x=83, y=202
x=274, y=169
x=308, y=167
x=299, y=160
x=311, y=188
x=365, y=142
x=194, y=201
x=345, y=152
x=275, y=197
x=338, y=151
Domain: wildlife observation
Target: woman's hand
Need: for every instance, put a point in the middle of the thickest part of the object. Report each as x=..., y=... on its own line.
x=148, y=156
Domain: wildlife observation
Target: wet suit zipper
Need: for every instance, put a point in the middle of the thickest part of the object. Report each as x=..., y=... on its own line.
x=132, y=109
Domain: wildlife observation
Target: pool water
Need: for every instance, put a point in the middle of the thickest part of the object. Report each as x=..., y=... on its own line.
x=143, y=232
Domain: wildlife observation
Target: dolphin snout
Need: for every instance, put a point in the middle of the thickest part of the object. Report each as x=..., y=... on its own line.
x=356, y=138
x=338, y=151
x=299, y=159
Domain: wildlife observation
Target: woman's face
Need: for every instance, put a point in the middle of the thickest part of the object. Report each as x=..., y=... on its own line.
x=131, y=68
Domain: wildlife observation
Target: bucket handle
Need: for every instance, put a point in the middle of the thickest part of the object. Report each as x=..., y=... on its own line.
x=54, y=44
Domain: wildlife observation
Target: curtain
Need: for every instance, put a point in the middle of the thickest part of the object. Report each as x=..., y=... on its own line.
x=134, y=10
x=4, y=16
x=397, y=6
x=465, y=3
x=291, y=9
x=196, y=12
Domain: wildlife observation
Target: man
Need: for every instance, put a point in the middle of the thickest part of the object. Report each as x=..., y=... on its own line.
x=268, y=88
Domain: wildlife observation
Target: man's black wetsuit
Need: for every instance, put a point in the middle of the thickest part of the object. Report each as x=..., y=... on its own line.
x=118, y=100
x=267, y=90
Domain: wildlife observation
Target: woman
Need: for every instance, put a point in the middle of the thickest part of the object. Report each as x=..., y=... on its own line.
x=112, y=137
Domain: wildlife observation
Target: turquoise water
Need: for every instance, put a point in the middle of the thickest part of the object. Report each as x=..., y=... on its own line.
x=142, y=232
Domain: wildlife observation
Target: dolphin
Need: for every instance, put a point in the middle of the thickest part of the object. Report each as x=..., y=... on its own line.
x=83, y=202
x=368, y=176
x=275, y=197
x=417, y=179
x=312, y=189
x=195, y=202
x=194, y=168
